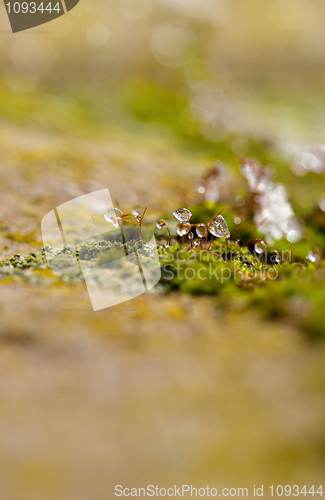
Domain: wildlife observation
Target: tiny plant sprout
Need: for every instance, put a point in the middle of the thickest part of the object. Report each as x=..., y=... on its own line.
x=182, y=214
x=201, y=230
x=111, y=213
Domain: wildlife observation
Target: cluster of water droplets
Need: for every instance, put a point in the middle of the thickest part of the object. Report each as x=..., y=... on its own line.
x=274, y=216
x=218, y=227
x=184, y=226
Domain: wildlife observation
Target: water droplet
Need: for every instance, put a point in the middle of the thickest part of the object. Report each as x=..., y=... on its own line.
x=138, y=218
x=183, y=228
x=196, y=243
x=160, y=223
x=277, y=259
x=240, y=201
x=182, y=214
x=111, y=213
x=260, y=247
x=190, y=236
x=201, y=189
x=135, y=213
x=201, y=230
x=219, y=227
x=117, y=222
x=237, y=220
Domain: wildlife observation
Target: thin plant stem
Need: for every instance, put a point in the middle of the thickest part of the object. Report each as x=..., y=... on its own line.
x=169, y=241
x=143, y=216
x=215, y=216
x=287, y=252
x=252, y=235
x=292, y=252
x=210, y=243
